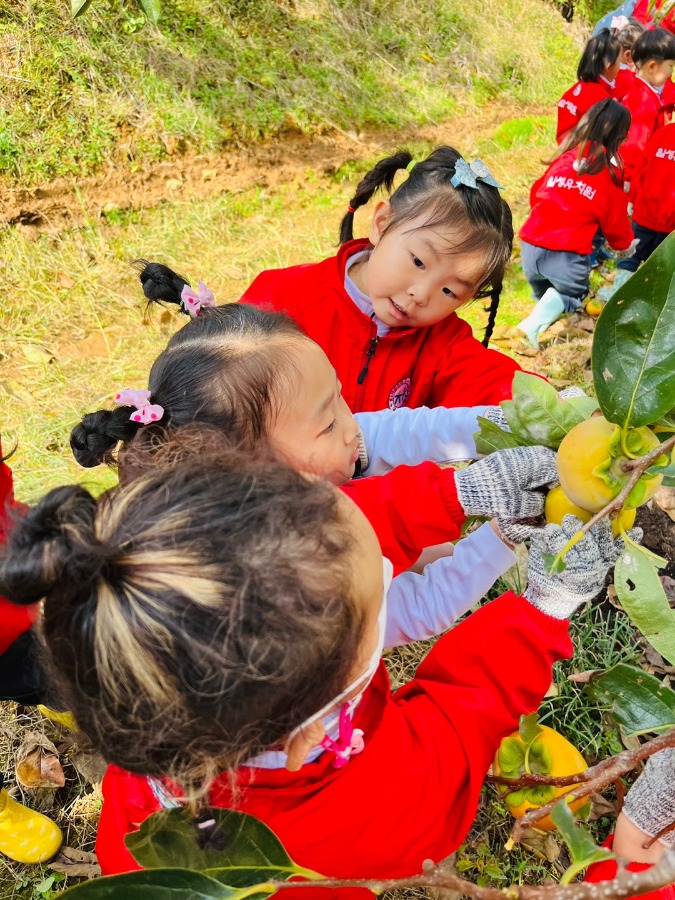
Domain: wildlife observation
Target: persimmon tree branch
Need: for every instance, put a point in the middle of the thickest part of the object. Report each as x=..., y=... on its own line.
x=625, y=884
x=637, y=468
x=607, y=769
x=595, y=778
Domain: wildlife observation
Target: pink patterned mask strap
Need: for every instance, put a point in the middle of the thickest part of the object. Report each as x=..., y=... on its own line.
x=146, y=412
x=350, y=741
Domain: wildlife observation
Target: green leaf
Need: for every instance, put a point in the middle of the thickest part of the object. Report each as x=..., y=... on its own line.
x=641, y=593
x=668, y=471
x=581, y=845
x=638, y=701
x=539, y=794
x=152, y=9
x=77, y=7
x=543, y=417
x=554, y=563
x=158, y=884
x=511, y=757
x=491, y=437
x=237, y=843
x=633, y=355
x=529, y=728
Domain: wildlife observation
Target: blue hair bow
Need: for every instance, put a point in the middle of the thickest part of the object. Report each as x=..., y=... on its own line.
x=469, y=174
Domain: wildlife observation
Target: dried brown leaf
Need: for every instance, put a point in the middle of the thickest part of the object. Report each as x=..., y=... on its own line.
x=66, y=281
x=75, y=863
x=37, y=763
x=664, y=498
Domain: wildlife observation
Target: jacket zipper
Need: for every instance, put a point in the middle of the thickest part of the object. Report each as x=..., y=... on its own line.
x=369, y=355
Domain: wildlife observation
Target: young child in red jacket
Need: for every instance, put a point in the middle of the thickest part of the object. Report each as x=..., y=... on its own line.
x=598, y=67
x=234, y=653
x=384, y=309
x=580, y=192
x=653, y=54
x=627, y=35
x=255, y=377
x=654, y=209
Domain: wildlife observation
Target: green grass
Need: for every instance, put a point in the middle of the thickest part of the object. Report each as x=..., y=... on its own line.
x=111, y=88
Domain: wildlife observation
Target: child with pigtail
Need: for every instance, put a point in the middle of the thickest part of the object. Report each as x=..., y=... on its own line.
x=270, y=589
x=384, y=309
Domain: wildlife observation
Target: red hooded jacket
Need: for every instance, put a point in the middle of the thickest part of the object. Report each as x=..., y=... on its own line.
x=646, y=114
x=442, y=365
x=412, y=793
x=575, y=102
x=655, y=186
x=568, y=209
x=14, y=620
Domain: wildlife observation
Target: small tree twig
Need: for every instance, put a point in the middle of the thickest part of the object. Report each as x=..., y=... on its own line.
x=625, y=884
x=597, y=777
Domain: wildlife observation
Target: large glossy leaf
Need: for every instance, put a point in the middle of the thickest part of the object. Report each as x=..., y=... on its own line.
x=638, y=701
x=78, y=7
x=583, y=849
x=152, y=9
x=234, y=847
x=633, y=349
x=641, y=593
x=159, y=884
x=543, y=416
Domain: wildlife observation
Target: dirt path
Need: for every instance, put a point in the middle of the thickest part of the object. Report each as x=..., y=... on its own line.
x=68, y=202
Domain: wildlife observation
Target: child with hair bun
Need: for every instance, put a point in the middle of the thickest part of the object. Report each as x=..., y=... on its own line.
x=384, y=309
x=627, y=35
x=596, y=73
x=257, y=379
x=270, y=589
x=579, y=193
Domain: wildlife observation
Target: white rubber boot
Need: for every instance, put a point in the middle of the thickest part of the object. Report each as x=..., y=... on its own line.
x=545, y=313
x=621, y=277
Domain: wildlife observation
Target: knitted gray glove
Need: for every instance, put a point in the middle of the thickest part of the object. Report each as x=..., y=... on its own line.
x=629, y=251
x=650, y=803
x=586, y=565
x=504, y=483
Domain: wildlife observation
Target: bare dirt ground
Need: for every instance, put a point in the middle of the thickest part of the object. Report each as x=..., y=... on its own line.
x=68, y=201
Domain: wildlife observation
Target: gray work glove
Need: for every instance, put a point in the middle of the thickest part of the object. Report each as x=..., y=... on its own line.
x=650, y=803
x=586, y=565
x=629, y=251
x=505, y=483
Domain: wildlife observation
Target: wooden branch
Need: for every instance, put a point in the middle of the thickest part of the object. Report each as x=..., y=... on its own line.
x=597, y=777
x=625, y=884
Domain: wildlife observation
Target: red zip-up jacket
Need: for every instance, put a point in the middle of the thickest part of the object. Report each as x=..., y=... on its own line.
x=568, y=208
x=646, y=114
x=655, y=188
x=577, y=101
x=14, y=620
x=668, y=95
x=441, y=365
x=623, y=83
x=412, y=793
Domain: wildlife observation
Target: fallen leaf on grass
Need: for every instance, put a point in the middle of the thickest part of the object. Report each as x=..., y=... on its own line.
x=665, y=500
x=583, y=677
x=75, y=863
x=91, y=766
x=541, y=844
x=37, y=763
x=13, y=389
x=602, y=808
x=37, y=355
x=65, y=281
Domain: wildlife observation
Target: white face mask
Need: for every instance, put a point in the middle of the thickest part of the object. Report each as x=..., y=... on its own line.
x=338, y=703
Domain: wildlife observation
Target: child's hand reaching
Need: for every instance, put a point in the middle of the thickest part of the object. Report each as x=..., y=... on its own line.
x=586, y=565
x=505, y=484
x=650, y=803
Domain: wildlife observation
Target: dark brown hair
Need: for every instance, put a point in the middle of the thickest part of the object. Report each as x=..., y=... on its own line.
x=197, y=615
x=228, y=368
x=598, y=136
x=480, y=215
x=600, y=52
x=657, y=44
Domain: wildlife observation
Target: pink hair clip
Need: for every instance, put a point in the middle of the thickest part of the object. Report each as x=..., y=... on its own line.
x=194, y=301
x=146, y=412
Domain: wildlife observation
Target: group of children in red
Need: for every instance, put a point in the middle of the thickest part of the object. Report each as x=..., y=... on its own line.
x=613, y=179
x=216, y=622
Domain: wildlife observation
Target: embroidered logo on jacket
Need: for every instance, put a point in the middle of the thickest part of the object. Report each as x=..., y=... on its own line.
x=400, y=394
